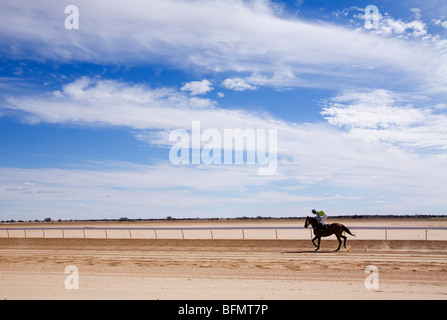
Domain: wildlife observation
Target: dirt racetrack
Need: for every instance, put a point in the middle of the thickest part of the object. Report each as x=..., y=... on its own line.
x=220, y=269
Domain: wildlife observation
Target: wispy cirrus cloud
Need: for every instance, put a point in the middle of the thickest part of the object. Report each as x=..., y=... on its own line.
x=381, y=148
x=384, y=116
x=412, y=30
x=108, y=189
x=308, y=154
x=249, y=37
x=95, y=101
x=439, y=22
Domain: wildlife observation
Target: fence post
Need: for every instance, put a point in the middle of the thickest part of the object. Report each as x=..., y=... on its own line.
x=276, y=233
x=243, y=234
x=212, y=236
x=386, y=234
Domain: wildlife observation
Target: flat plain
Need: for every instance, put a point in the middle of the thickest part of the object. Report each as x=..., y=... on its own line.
x=229, y=267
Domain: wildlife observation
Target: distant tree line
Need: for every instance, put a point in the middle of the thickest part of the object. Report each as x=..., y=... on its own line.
x=170, y=218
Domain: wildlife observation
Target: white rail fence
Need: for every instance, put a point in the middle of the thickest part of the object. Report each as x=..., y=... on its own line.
x=279, y=233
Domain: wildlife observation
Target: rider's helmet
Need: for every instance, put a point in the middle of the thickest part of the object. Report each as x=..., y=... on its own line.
x=314, y=211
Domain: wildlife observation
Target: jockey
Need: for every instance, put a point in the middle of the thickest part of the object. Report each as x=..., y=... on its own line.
x=321, y=218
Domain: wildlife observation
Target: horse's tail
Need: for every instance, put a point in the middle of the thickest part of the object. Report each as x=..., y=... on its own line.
x=347, y=230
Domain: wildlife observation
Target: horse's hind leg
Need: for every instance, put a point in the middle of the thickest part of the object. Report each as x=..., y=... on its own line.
x=344, y=242
x=339, y=242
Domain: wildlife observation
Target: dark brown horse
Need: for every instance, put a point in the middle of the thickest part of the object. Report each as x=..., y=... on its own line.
x=333, y=228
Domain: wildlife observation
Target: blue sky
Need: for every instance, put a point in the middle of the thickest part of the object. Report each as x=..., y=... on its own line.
x=85, y=114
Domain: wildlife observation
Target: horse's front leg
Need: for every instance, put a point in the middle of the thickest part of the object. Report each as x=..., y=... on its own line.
x=313, y=241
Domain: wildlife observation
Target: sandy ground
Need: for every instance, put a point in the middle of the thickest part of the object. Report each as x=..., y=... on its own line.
x=36, y=268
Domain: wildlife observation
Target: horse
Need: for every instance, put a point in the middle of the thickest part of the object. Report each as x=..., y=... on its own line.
x=333, y=228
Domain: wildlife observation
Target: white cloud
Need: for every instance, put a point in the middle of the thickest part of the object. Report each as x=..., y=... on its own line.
x=87, y=101
x=375, y=159
x=217, y=36
x=392, y=27
x=416, y=12
x=382, y=116
x=373, y=142
x=237, y=84
x=439, y=22
x=105, y=190
x=198, y=87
